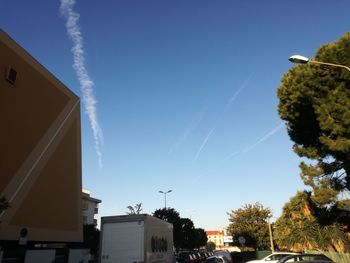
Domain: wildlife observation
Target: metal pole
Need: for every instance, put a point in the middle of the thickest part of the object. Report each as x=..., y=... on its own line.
x=165, y=200
x=271, y=238
x=329, y=64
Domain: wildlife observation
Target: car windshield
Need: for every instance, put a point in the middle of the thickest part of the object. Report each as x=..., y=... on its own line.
x=276, y=257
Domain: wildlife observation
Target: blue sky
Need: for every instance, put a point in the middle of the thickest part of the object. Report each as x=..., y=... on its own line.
x=186, y=95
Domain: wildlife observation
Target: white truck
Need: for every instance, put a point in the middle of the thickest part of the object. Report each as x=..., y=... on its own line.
x=136, y=239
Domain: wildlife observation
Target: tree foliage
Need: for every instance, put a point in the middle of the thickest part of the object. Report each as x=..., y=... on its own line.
x=210, y=246
x=91, y=238
x=168, y=214
x=134, y=210
x=299, y=228
x=315, y=103
x=250, y=222
x=201, y=238
x=185, y=234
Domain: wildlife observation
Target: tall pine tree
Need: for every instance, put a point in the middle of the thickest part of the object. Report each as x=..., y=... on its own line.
x=315, y=103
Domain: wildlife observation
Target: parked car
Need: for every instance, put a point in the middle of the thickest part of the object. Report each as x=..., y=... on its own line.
x=273, y=258
x=205, y=255
x=309, y=258
x=184, y=257
x=202, y=256
x=226, y=254
x=217, y=259
x=195, y=257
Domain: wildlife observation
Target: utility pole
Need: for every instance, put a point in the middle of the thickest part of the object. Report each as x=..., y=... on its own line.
x=271, y=238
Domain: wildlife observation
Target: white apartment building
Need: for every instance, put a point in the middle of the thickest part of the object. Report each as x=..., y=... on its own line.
x=89, y=208
x=216, y=236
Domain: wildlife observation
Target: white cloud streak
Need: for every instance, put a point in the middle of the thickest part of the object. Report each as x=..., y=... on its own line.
x=265, y=137
x=235, y=95
x=191, y=127
x=228, y=105
x=237, y=153
x=260, y=140
x=203, y=144
x=86, y=84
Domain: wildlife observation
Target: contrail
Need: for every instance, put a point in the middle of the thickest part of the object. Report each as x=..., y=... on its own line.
x=86, y=84
x=231, y=155
x=265, y=137
x=203, y=144
x=193, y=125
x=247, y=149
x=228, y=105
x=237, y=153
x=235, y=95
x=251, y=147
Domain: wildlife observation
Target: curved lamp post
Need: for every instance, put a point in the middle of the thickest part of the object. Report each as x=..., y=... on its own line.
x=165, y=193
x=304, y=60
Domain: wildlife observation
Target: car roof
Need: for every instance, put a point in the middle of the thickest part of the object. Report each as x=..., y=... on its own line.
x=308, y=258
x=284, y=252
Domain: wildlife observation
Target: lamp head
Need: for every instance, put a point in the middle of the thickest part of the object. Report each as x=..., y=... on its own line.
x=299, y=59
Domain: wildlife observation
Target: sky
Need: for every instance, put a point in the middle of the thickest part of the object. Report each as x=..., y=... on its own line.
x=179, y=95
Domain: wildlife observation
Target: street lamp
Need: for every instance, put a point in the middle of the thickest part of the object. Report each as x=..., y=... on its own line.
x=304, y=60
x=167, y=192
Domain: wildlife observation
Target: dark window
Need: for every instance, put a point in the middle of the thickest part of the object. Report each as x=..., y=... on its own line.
x=11, y=76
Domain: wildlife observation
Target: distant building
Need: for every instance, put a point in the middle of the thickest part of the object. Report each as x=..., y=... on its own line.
x=221, y=240
x=228, y=241
x=89, y=208
x=216, y=236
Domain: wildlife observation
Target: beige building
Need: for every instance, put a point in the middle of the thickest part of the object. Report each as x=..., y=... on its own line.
x=40, y=150
x=89, y=207
x=216, y=236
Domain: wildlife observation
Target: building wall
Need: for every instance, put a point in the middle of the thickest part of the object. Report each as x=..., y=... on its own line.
x=89, y=208
x=40, y=149
x=216, y=236
x=88, y=213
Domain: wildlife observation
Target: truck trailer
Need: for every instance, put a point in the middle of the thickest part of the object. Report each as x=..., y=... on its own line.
x=136, y=239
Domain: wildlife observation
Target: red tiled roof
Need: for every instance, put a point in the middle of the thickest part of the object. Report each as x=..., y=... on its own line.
x=214, y=232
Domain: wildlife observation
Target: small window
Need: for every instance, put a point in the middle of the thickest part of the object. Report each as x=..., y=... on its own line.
x=11, y=75
x=85, y=206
